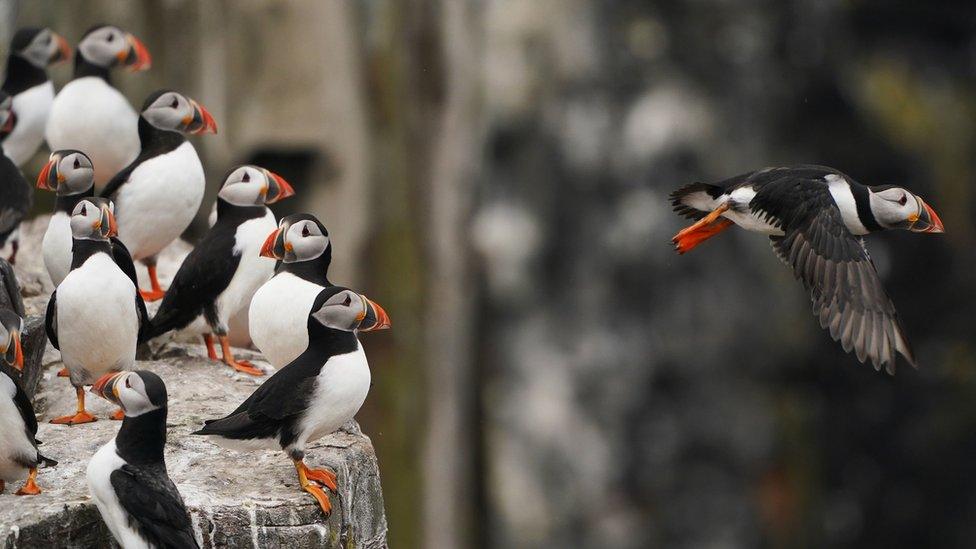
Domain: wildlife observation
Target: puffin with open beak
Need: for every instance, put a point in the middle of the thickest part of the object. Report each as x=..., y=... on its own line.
x=89, y=114
x=16, y=196
x=219, y=277
x=127, y=477
x=280, y=308
x=95, y=316
x=815, y=218
x=160, y=192
x=19, y=458
x=312, y=396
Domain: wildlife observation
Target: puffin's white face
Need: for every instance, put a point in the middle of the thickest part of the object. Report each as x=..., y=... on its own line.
x=68, y=172
x=93, y=219
x=45, y=48
x=109, y=46
x=175, y=112
x=349, y=311
x=896, y=208
x=254, y=186
x=304, y=241
x=127, y=390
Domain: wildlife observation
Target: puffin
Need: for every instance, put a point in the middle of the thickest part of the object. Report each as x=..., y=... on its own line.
x=816, y=217
x=10, y=298
x=32, y=50
x=159, y=192
x=313, y=395
x=219, y=277
x=19, y=458
x=88, y=113
x=127, y=477
x=70, y=174
x=16, y=195
x=280, y=307
x=95, y=316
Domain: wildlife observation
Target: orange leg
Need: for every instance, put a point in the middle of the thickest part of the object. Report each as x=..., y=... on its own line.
x=322, y=476
x=82, y=416
x=157, y=292
x=311, y=488
x=702, y=230
x=239, y=365
x=30, y=487
x=117, y=415
x=63, y=372
x=211, y=351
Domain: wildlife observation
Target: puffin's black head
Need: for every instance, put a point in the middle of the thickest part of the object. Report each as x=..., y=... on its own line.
x=40, y=46
x=339, y=308
x=299, y=237
x=135, y=392
x=896, y=208
x=108, y=46
x=254, y=186
x=8, y=118
x=68, y=172
x=173, y=111
x=93, y=219
x=11, y=326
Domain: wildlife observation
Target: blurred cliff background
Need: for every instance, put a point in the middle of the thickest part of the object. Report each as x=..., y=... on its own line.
x=496, y=172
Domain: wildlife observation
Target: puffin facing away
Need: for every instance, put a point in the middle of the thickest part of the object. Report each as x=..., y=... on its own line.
x=159, y=193
x=89, y=114
x=815, y=217
x=19, y=457
x=219, y=277
x=280, y=308
x=312, y=396
x=32, y=50
x=16, y=194
x=127, y=477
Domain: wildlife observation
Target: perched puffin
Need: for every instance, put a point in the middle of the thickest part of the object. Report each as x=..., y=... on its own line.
x=159, y=193
x=88, y=113
x=31, y=51
x=19, y=457
x=223, y=271
x=15, y=191
x=280, y=307
x=313, y=395
x=96, y=315
x=815, y=217
x=10, y=298
x=70, y=174
x=127, y=477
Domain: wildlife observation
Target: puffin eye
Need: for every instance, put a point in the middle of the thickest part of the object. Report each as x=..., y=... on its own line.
x=174, y=104
x=305, y=233
x=77, y=164
x=347, y=301
x=84, y=210
x=246, y=178
x=903, y=200
x=110, y=37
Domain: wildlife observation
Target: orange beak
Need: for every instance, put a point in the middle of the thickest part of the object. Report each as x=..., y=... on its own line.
x=375, y=319
x=18, y=353
x=43, y=178
x=106, y=382
x=202, y=121
x=267, y=250
x=137, y=58
x=284, y=189
x=928, y=221
x=64, y=49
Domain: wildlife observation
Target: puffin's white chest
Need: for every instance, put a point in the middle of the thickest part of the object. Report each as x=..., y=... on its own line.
x=100, y=468
x=91, y=116
x=252, y=271
x=56, y=247
x=340, y=391
x=160, y=200
x=32, y=107
x=97, y=320
x=13, y=438
x=278, y=317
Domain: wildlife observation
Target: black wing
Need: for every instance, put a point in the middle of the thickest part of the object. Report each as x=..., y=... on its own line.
x=122, y=258
x=51, y=320
x=154, y=505
x=835, y=268
x=120, y=178
x=11, y=288
x=23, y=403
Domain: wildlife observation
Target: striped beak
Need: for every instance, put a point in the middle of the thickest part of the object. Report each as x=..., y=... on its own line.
x=200, y=122
x=107, y=387
x=106, y=223
x=926, y=221
x=375, y=318
x=274, y=246
x=62, y=52
x=15, y=353
x=49, y=178
x=136, y=57
x=277, y=189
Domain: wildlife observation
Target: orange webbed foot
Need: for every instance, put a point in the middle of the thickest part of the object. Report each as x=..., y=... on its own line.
x=324, y=477
x=152, y=295
x=319, y=496
x=77, y=419
x=117, y=415
x=30, y=487
x=245, y=367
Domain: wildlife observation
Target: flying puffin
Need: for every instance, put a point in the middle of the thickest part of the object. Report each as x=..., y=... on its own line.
x=127, y=477
x=16, y=194
x=31, y=51
x=19, y=457
x=96, y=315
x=313, y=395
x=70, y=174
x=159, y=192
x=280, y=307
x=89, y=114
x=219, y=277
x=815, y=217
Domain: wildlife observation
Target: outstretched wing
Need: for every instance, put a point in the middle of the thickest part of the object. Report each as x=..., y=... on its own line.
x=154, y=505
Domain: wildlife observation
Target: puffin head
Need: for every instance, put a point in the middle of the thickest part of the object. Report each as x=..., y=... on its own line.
x=135, y=392
x=299, y=237
x=339, y=308
x=40, y=46
x=173, y=111
x=253, y=186
x=8, y=119
x=896, y=208
x=93, y=219
x=68, y=172
x=11, y=326
x=108, y=46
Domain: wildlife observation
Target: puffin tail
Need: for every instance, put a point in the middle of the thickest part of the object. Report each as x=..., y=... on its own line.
x=45, y=461
x=695, y=200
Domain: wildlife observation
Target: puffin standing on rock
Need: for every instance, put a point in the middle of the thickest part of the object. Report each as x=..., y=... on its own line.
x=219, y=277
x=127, y=477
x=279, y=309
x=16, y=194
x=312, y=396
x=88, y=113
x=159, y=193
x=815, y=218
x=95, y=316
x=32, y=50
x=19, y=457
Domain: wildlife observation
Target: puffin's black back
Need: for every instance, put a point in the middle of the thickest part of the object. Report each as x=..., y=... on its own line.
x=16, y=196
x=10, y=298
